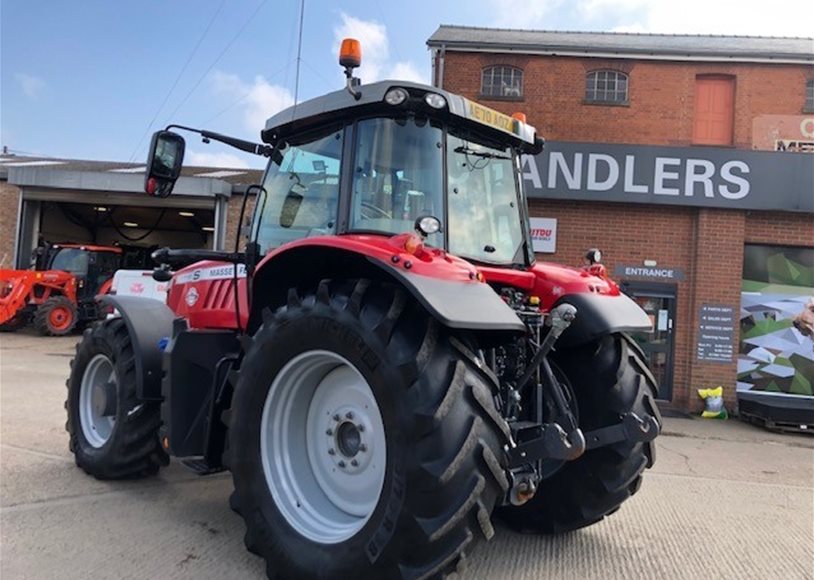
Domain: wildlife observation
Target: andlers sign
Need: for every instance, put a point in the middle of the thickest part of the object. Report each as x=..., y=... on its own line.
x=694, y=176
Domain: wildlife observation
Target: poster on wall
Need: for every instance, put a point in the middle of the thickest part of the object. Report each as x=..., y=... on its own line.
x=544, y=235
x=775, y=358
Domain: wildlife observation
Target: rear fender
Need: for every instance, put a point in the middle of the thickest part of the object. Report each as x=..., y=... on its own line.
x=601, y=314
x=148, y=322
x=446, y=286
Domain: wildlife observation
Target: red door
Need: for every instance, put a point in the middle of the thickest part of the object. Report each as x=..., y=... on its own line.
x=714, y=110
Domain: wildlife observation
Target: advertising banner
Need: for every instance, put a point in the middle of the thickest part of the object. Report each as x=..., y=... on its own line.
x=544, y=234
x=775, y=358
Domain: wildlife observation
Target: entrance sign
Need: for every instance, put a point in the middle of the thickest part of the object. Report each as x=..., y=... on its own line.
x=648, y=273
x=544, y=234
x=688, y=176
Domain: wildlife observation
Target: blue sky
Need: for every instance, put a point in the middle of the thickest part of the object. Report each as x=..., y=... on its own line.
x=86, y=79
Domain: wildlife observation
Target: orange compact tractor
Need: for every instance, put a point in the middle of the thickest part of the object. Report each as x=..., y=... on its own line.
x=59, y=293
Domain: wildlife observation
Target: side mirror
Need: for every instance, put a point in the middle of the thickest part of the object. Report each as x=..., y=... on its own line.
x=164, y=163
x=291, y=206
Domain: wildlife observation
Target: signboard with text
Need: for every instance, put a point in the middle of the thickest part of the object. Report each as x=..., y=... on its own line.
x=649, y=273
x=716, y=333
x=544, y=234
x=688, y=176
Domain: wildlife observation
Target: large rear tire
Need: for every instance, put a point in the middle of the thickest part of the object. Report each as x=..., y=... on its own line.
x=113, y=435
x=609, y=378
x=15, y=323
x=365, y=360
x=56, y=316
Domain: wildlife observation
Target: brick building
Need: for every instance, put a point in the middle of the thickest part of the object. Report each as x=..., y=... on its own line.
x=688, y=161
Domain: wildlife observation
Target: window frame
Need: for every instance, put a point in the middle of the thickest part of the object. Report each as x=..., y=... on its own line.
x=808, y=96
x=515, y=70
x=596, y=100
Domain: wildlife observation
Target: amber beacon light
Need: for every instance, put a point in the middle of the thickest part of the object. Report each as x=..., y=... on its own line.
x=350, y=53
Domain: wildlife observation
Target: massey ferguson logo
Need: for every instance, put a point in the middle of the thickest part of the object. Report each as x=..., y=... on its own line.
x=191, y=296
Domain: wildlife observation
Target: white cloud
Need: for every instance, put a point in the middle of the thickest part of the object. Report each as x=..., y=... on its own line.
x=32, y=86
x=727, y=17
x=524, y=13
x=406, y=71
x=733, y=17
x=201, y=159
x=376, y=64
x=258, y=99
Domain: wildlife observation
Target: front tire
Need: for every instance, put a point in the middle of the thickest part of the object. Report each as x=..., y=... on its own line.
x=350, y=355
x=112, y=434
x=609, y=378
x=56, y=316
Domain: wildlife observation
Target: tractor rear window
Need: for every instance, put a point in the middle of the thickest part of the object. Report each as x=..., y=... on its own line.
x=397, y=176
x=71, y=260
x=303, y=191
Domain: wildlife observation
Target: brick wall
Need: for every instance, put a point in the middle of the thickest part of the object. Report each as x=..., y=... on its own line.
x=9, y=204
x=661, y=95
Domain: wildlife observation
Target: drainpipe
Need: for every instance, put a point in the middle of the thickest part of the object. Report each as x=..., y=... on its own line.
x=441, y=54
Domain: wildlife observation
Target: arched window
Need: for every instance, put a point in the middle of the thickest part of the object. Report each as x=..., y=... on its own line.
x=502, y=82
x=606, y=86
x=809, y=105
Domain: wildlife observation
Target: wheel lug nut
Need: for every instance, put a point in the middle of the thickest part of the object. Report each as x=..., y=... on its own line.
x=354, y=463
x=360, y=427
x=349, y=415
x=363, y=448
x=331, y=451
x=329, y=432
x=336, y=417
x=342, y=464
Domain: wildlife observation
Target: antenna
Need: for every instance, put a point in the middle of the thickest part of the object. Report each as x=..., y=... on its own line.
x=299, y=54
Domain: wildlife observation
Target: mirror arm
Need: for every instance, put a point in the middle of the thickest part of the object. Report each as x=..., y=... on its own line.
x=247, y=146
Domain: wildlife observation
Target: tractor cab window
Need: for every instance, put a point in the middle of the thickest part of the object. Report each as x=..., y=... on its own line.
x=484, y=215
x=397, y=176
x=71, y=260
x=302, y=185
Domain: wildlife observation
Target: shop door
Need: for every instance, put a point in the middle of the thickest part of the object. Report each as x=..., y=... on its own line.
x=659, y=302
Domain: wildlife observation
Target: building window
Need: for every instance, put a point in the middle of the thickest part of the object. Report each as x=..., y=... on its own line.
x=502, y=82
x=606, y=86
x=809, y=106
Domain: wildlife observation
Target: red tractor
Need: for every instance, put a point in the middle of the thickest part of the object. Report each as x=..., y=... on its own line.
x=60, y=293
x=375, y=397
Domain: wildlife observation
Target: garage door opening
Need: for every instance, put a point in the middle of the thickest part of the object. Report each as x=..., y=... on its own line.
x=138, y=230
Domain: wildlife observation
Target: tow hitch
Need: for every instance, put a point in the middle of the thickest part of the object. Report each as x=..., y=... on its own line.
x=561, y=438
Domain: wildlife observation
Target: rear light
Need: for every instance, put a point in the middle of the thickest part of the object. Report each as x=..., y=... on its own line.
x=395, y=96
x=413, y=245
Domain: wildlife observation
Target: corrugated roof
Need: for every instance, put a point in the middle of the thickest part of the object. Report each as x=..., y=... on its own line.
x=626, y=45
x=231, y=175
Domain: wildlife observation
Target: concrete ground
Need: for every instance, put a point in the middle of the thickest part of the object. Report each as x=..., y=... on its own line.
x=725, y=500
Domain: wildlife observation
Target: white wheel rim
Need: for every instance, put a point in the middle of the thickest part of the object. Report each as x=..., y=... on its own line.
x=323, y=446
x=97, y=400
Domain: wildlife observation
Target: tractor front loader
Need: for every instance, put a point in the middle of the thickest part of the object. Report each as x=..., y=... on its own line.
x=374, y=396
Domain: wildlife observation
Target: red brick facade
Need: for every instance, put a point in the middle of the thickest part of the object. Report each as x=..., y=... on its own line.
x=707, y=244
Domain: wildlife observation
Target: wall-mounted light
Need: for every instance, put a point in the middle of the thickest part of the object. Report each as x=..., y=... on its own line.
x=100, y=208
x=208, y=228
x=131, y=224
x=650, y=263
x=186, y=214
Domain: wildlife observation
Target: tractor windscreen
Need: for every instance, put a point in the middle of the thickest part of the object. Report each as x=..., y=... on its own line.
x=485, y=223
x=397, y=176
x=302, y=183
x=71, y=260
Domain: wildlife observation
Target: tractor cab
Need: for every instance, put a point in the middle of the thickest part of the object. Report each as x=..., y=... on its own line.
x=92, y=266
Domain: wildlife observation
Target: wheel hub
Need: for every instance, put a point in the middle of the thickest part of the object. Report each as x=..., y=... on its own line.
x=349, y=442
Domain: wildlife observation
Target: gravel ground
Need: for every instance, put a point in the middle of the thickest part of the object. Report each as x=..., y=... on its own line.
x=725, y=500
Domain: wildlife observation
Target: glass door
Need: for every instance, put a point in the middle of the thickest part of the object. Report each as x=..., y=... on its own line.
x=659, y=302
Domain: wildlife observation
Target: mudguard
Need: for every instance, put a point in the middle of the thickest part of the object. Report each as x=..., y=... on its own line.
x=148, y=321
x=460, y=305
x=599, y=314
